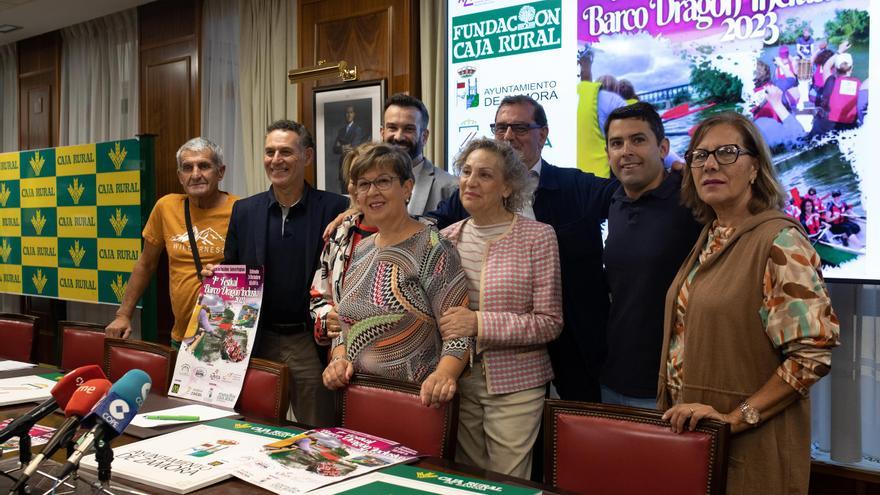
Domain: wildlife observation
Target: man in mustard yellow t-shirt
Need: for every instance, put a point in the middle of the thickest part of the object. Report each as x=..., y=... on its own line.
x=199, y=168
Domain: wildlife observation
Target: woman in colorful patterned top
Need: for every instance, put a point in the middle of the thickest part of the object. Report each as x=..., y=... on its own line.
x=515, y=294
x=398, y=283
x=749, y=324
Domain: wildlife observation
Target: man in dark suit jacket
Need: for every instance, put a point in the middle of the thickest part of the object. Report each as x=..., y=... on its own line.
x=349, y=136
x=575, y=204
x=280, y=229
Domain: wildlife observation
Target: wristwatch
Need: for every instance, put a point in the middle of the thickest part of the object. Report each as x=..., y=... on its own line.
x=751, y=415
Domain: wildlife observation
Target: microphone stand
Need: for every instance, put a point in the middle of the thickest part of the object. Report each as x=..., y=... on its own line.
x=104, y=456
x=24, y=455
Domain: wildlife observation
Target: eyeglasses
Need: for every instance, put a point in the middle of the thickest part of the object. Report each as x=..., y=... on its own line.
x=724, y=155
x=382, y=183
x=518, y=129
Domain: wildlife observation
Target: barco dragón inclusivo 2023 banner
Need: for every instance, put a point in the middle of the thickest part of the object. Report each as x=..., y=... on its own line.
x=801, y=69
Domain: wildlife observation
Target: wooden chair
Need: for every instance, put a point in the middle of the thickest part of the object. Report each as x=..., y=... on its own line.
x=265, y=392
x=393, y=410
x=596, y=448
x=17, y=335
x=157, y=360
x=81, y=344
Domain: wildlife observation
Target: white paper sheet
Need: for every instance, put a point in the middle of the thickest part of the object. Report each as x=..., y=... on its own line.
x=9, y=365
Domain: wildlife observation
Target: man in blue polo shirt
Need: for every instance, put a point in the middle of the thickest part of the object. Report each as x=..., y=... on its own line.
x=280, y=229
x=649, y=236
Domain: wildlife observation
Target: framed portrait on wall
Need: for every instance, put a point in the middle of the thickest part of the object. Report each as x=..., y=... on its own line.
x=346, y=115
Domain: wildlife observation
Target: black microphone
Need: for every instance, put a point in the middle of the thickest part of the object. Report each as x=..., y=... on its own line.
x=111, y=416
x=81, y=402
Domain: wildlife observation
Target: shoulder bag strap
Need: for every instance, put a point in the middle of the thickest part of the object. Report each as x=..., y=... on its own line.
x=192, y=239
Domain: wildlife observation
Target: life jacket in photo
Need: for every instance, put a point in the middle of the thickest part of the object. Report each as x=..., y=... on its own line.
x=780, y=74
x=764, y=109
x=843, y=100
x=812, y=223
x=835, y=213
x=818, y=76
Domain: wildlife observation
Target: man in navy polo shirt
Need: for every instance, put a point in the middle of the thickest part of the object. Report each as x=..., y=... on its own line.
x=280, y=229
x=649, y=236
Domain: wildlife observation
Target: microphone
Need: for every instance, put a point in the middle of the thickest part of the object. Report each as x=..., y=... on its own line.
x=82, y=400
x=111, y=415
x=61, y=393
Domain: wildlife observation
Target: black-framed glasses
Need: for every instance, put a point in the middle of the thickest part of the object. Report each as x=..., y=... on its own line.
x=382, y=183
x=518, y=129
x=724, y=155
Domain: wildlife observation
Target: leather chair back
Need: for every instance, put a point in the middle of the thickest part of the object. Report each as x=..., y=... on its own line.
x=393, y=410
x=596, y=448
x=122, y=355
x=17, y=336
x=265, y=392
x=81, y=344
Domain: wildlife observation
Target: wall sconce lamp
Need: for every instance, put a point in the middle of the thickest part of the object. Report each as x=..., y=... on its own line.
x=323, y=69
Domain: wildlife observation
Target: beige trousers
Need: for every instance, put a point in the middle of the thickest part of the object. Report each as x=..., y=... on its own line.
x=313, y=404
x=497, y=431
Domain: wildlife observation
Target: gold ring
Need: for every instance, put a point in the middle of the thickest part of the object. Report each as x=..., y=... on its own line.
x=692, y=411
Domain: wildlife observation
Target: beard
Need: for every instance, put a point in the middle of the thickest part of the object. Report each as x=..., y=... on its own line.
x=414, y=150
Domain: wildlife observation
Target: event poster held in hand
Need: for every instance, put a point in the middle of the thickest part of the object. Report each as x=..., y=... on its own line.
x=317, y=458
x=216, y=347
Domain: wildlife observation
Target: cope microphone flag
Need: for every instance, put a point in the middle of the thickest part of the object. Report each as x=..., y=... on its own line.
x=61, y=393
x=81, y=402
x=111, y=415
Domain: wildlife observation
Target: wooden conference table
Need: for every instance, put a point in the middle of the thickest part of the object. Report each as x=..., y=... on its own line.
x=232, y=486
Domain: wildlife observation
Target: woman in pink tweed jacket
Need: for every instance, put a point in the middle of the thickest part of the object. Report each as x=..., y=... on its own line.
x=512, y=266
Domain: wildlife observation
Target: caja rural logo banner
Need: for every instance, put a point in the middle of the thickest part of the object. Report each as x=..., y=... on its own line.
x=70, y=220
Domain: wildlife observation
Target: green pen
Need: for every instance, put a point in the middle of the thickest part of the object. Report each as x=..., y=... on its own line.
x=161, y=417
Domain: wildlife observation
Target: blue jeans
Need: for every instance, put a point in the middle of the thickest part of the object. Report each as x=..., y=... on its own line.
x=611, y=397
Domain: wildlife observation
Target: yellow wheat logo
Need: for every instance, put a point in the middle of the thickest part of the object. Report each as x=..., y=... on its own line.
x=118, y=287
x=241, y=426
x=76, y=190
x=117, y=156
x=4, y=194
x=37, y=162
x=5, y=251
x=76, y=252
x=118, y=221
x=425, y=475
x=38, y=221
x=39, y=281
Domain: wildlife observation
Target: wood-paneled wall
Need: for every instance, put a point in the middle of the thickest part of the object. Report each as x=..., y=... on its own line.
x=39, y=74
x=170, y=103
x=379, y=36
